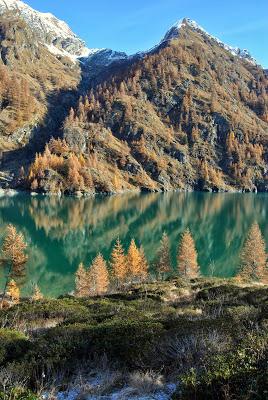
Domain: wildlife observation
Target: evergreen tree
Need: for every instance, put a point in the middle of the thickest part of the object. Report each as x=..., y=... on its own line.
x=187, y=256
x=98, y=277
x=163, y=256
x=13, y=291
x=81, y=282
x=118, y=263
x=253, y=256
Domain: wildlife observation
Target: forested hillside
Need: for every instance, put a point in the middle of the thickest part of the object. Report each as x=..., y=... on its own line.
x=190, y=114
x=30, y=77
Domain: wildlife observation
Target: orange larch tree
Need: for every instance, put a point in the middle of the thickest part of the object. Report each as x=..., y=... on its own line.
x=98, y=277
x=118, y=264
x=144, y=265
x=187, y=256
x=163, y=264
x=37, y=294
x=134, y=261
x=81, y=282
x=14, y=255
x=13, y=291
x=253, y=256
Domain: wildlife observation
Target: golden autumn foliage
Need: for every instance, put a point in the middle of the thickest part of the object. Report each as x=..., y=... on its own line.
x=125, y=269
x=210, y=176
x=13, y=291
x=98, y=277
x=172, y=137
x=133, y=260
x=253, y=256
x=14, y=257
x=144, y=265
x=17, y=99
x=137, y=263
x=37, y=294
x=187, y=256
x=31, y=78
x=119, y=263
x=81, y=282
x=93, y=281
x=71, y=171
x=14, y=247
x=163, y=264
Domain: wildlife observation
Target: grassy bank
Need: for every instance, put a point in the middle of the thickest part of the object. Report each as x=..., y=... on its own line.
x=208, y=336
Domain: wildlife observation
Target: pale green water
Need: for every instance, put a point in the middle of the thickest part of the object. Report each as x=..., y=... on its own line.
x=63, y=232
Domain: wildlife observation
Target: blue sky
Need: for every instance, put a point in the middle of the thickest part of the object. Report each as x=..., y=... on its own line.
x=131, y=26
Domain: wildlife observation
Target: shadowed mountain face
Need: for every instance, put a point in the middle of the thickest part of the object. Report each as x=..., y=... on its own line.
x=191, y=113
x=30, y=76
x=37, y=89
x=62, y=232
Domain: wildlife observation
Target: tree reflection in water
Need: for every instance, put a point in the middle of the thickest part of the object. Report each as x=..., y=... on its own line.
x=62, y=232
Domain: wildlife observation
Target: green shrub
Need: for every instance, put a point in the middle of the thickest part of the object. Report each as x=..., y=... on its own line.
x=18, y=394
x=206, y=340
x=243, y=371
x=13, y=345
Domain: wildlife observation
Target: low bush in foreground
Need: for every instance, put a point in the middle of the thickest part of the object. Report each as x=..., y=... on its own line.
x=212, y=342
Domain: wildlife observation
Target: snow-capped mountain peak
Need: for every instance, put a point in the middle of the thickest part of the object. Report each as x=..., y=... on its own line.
x=51, y=31
x=174, y=32
x=57, y=36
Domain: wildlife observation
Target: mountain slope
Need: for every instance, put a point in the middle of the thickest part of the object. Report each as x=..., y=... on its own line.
x=31, y=77
x=39, y=65
x=189, y=114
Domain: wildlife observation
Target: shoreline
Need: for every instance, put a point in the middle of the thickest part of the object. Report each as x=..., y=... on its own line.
x=11, y=192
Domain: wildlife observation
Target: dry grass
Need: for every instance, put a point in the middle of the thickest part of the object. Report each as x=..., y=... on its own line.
x=190, y=351
x=145, y=382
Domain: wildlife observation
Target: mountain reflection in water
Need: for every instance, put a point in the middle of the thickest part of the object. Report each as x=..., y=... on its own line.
x=61, y=232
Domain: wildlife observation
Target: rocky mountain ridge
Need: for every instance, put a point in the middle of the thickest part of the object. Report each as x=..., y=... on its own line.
x=60, y=39
x=191, y=113
x=174, y=31
x=51, y=31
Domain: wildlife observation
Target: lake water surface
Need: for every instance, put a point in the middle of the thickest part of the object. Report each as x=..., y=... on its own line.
x=61, y=232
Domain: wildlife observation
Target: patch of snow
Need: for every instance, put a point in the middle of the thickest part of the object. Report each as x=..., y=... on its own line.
x=104, y=57
x=60, y=40
x=173, y=33
x=46, y=21
x=54, y=49
x=89, y=52
x=127, y=392
x=56, y=35
x=61, y=52
x=115, y=55
x=49, y=29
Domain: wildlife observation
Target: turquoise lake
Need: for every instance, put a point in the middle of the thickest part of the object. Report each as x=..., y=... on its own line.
x=62, y=232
